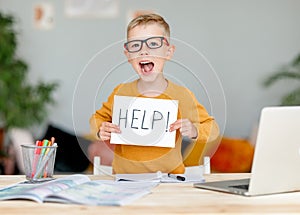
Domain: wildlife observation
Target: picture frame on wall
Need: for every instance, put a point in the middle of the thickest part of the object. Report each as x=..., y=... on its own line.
x=43, y=16
x=108, y=9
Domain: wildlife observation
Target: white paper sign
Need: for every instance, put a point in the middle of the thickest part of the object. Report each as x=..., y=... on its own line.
x=144, y=121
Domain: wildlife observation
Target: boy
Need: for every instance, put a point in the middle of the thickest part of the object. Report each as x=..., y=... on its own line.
x=147, y=49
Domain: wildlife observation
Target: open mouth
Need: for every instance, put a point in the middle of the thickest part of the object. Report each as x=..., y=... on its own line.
x=146, y=66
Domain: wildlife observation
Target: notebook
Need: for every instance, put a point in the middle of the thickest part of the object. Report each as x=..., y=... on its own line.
x=276, y=162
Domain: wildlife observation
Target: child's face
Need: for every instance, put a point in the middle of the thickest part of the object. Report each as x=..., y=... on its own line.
x=149, y=61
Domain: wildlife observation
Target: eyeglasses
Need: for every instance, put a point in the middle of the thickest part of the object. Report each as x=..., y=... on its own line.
x=151, y=42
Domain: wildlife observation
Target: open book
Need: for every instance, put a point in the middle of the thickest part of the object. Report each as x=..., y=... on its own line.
x=78, y=189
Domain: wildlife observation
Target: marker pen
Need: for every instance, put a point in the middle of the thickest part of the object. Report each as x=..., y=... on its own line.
x=177, y=177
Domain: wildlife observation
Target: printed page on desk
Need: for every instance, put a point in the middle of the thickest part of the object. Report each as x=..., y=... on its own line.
x=108, y=193
x=192, y=174
x=38, y=192
x=77, y=189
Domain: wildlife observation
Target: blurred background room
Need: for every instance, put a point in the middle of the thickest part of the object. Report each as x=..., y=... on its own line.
x=226, y=51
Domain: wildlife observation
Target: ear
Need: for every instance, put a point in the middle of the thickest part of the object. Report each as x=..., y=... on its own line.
x=126, y=53
x=170, y=52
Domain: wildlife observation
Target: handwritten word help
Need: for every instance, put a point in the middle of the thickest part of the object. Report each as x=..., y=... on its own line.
x=138, y=119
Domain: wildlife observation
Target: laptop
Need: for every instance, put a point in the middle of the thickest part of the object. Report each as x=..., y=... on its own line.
x=276, y=162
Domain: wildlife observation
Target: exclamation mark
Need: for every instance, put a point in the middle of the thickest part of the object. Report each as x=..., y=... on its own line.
x=167, y=122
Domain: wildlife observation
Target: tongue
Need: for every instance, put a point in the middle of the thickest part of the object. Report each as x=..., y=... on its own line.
x=148, y=67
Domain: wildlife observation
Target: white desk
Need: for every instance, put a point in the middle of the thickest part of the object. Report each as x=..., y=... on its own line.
x=165, y=199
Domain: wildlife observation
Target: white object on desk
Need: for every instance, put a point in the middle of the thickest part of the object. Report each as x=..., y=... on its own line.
x=206, y=164
x=97, y=161
x=101, y=169
x=192, y=174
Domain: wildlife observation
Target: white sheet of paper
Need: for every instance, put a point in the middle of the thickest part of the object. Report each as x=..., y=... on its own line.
x=144, y=121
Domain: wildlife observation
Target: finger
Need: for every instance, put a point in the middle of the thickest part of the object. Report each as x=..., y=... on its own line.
x=109, y=127
x=182, y=123
x=105, y=135
x=106, y=129
x=189, y=131
x=112, y=130
x=176, y=125
x=185, y=123
x=186, y=128
x=186, y=134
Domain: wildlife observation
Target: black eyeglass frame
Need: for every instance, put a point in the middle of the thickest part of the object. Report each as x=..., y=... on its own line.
x=145, y=41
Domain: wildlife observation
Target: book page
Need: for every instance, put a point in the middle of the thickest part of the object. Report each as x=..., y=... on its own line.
x=38, y=192
x=143, y=177
x=78, y=189
x=108, y=193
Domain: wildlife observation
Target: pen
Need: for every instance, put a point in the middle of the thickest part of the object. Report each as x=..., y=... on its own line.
x=52, y=140
x=46, y=166
x=37, y=152
x=44, y=162
x=45, y=144
x=177, y=177
x=42, y=152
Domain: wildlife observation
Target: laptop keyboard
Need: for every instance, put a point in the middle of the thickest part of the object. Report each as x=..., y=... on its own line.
x=242, y=186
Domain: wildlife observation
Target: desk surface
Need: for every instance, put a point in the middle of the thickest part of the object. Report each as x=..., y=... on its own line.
x=165, y=199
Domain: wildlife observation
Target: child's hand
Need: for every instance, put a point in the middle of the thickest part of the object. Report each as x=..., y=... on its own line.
x=106, y=129
x=186, y=128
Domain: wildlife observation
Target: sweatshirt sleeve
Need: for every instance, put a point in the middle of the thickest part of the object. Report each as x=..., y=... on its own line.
x=104, y=114
x=208, y=133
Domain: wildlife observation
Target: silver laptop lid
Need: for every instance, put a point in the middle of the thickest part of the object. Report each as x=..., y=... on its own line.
x=276, y=164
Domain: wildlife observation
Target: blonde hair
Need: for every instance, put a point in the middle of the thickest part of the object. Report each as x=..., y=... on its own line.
x=149, y=19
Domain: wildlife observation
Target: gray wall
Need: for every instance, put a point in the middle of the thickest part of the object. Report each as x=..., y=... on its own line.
x=224, y=48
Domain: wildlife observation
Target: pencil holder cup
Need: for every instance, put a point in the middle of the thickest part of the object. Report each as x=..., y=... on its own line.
x=38, y=162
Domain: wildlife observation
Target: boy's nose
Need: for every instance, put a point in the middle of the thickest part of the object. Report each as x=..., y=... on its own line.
x=144, y=50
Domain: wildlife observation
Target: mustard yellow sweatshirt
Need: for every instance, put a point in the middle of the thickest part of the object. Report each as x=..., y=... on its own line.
x=142, y=159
